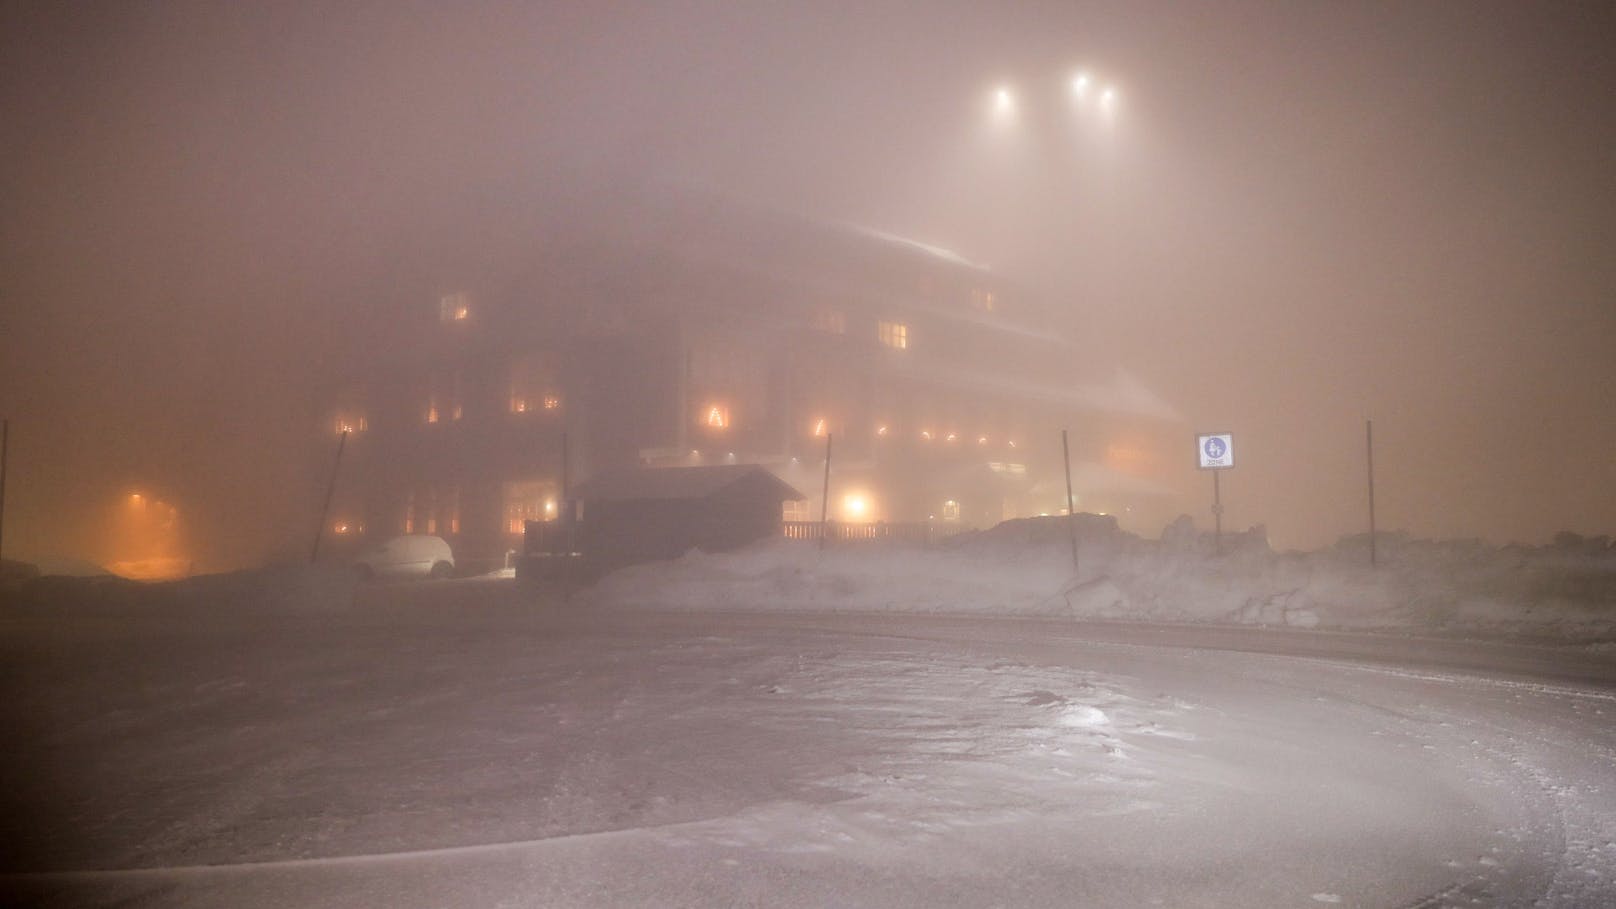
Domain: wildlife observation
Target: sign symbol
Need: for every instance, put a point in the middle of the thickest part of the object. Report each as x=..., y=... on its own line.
x=1215, y=449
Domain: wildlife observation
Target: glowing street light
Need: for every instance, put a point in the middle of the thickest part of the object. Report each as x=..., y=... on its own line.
x=1080, y=85
x=1108, y=100
x=1004, y=102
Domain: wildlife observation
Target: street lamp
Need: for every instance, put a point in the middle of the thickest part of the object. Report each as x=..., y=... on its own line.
x=1004, y=102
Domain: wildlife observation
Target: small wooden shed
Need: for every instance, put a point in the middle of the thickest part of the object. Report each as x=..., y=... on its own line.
x=651, y=513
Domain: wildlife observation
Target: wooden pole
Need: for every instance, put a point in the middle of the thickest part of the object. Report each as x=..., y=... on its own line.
x=330, y=488
x=5, y=438
x=1071, y=505
x=1369, y=443
x=824, y=504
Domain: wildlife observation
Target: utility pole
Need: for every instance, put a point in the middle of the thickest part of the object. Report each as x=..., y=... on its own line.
x=330, y=488
x=824, y=504
x=1369, y=443
x=1071, y=506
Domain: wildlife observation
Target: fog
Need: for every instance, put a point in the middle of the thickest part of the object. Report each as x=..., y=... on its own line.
x=1299, y=217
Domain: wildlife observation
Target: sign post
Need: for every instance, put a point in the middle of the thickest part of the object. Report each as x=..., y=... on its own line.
x=1215, y=452
x=1071, y=506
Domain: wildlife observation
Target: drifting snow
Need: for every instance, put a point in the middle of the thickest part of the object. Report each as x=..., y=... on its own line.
x=1025, y=568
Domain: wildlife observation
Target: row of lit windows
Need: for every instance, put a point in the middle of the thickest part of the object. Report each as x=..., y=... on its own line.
x=717, y=416
x=834, y=321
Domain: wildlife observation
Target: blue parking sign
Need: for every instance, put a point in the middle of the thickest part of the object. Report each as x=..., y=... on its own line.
x=1215, y=450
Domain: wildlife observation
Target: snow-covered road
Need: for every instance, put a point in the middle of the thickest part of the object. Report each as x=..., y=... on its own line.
x=453, y=745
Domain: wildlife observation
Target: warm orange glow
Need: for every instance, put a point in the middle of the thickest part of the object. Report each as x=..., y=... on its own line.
x=880, y=430
x=925, y=434
x=552, y=402
x=454, y=307
x=341, y=527
x=981, y=440
x=717, y=417
x=951, y=437
x=951, y=510
x=893, y=334
x=432, y=413
x=549, y=507
x=350, y=424
x=518, y=405
x=1131, y=456
x=144, y=539
x=819, y=427
x=856, y=506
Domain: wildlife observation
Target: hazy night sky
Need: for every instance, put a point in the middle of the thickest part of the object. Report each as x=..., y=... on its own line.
x=1303, y=215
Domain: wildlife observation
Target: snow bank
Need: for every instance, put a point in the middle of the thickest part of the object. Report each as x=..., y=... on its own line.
x=1024, y=567
x=277, y=589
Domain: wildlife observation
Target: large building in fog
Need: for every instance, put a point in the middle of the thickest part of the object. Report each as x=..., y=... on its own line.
x=708, y=334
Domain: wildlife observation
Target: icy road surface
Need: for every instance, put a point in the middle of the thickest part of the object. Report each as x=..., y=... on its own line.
x=451, y=745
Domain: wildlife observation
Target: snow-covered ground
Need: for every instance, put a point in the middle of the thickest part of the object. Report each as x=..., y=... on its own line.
x=1025, y=567
x=285, y=739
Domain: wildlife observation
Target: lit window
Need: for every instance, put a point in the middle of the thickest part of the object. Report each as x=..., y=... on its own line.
x=432, y=410
x=795, y=511
x=716, y=416
x=830, y=321
x=528, y=501
x=983, y=300
x=951, y=510
x=351, y=424
x=893, y=334
x=455, y=307
x=533, y=385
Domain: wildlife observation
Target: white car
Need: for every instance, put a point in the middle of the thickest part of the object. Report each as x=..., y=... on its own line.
x=412, y=556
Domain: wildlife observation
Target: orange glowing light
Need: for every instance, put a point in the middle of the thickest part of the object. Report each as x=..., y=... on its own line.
x=819, y=428
x=717, y=417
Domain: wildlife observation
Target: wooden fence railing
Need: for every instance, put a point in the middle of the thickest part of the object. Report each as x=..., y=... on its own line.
x=923, y=533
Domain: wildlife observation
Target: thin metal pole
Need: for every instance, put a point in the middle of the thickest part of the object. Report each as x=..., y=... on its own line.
x=1217, y=514
x=824, y=504
x=5, y=438
x=567, y=513
x=1369, y=442
x=566, y=489
x=330, y=488
x=1071, y=508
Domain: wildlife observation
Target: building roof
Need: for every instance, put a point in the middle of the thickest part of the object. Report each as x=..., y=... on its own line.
x=679, y=483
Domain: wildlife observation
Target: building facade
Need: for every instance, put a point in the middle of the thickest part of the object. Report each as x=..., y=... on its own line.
x=711, y=335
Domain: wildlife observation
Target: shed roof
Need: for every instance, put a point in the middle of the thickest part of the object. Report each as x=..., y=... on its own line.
x=680, y=483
